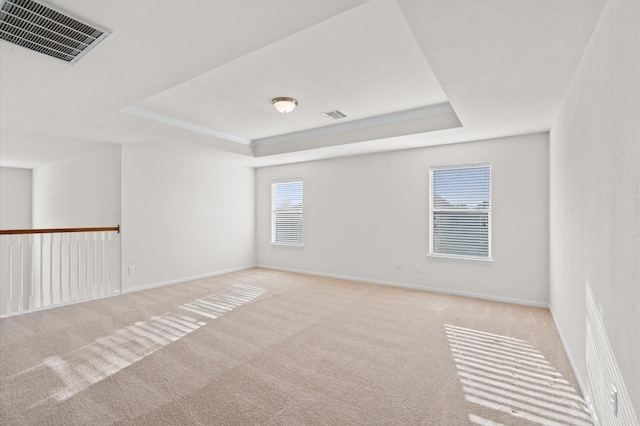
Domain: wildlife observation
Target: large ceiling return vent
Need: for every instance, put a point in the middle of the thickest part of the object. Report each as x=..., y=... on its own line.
x=48, y=30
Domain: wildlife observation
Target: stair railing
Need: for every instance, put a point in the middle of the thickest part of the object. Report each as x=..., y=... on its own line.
x=41, y=268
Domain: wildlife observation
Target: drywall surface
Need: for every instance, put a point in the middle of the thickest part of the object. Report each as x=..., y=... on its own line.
x=595, y=199
x=15, y=198
x=364, y=215
x=79, y=192
x=184, y=217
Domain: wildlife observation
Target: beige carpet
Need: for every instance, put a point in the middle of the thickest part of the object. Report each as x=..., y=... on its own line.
x=276, y=348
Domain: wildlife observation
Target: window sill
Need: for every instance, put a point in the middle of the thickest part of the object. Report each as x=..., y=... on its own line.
x=463, y=258
x=287, y=245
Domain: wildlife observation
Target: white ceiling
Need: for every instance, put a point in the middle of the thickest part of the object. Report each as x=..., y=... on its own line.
x=200, y=79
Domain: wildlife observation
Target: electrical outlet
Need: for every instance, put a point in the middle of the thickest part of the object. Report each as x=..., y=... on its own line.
x=132, y=270
x=613, y=400
x=418, y=268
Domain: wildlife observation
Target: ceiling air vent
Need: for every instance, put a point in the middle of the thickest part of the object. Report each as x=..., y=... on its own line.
x=336, y=115
x=48, y=30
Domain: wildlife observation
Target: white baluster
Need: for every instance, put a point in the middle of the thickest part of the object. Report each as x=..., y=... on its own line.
x=109, y=262
x=60, y=266
x=94, y=238
x=10, y=300
x=102, y=287
x=78, y=274
x=86, y=267
x=21, y=299
x=41, y=237
x=69, y=244
x=119, y=261
x=32, y=292
x=51, y=269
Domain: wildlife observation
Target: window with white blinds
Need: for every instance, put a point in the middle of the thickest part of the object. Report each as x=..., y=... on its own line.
x=286, y=212
x=460, y=218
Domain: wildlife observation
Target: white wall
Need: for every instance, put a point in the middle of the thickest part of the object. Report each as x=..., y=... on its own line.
x=79, y=192
x=595, y=197
x=364, y=214
x=184, y=216
x=15, y=198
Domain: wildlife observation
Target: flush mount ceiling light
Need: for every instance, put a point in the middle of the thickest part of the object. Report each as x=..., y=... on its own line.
x=284, y=105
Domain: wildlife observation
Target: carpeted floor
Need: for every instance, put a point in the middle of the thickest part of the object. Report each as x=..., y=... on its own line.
x=276, y=348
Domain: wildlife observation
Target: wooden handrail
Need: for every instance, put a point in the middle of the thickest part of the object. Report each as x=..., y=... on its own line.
x=58, y=230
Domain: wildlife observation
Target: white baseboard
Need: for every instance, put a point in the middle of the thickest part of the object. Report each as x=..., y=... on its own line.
x=185, y=279
x=587, y=397
x=412, y=286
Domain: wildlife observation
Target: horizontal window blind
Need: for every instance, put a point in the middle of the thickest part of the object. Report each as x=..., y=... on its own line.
x=460, y=219
x=286, y=199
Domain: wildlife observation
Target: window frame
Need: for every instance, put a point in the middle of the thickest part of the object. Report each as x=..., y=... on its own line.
x=489, y=211
x=274, y=184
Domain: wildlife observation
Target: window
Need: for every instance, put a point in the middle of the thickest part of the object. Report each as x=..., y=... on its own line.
x=286, y=212
x=460, y=218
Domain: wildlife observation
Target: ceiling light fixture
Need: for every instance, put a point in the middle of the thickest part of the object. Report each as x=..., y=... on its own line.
x=284, y=105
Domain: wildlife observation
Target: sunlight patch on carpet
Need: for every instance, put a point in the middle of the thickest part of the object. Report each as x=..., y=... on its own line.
x=106, y=356
x=482, y=421
x=510, y=376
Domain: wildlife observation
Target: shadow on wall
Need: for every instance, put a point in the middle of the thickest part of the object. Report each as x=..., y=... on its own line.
x=612, y=405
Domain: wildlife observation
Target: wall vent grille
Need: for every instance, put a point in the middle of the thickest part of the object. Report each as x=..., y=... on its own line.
x=47, y=30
